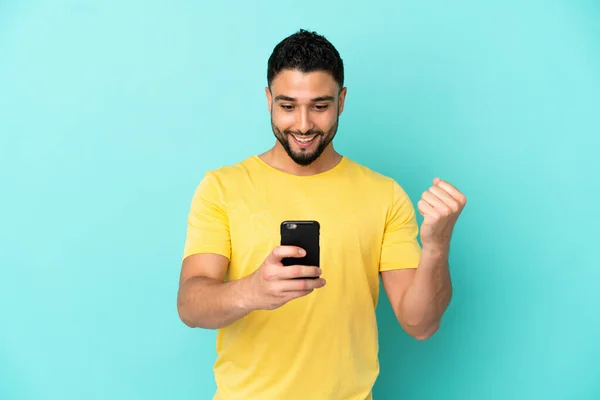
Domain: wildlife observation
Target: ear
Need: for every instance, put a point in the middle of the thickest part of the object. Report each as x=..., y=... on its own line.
x=342, y=99
x=269, y=98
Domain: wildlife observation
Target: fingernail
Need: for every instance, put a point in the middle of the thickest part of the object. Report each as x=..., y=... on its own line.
x=319, y=271
x=301, y=252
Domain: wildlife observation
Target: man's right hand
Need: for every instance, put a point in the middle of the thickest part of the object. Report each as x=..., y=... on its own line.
x=273, y=284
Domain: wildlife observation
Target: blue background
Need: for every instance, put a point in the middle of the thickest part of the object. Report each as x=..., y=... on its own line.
x=110, y=113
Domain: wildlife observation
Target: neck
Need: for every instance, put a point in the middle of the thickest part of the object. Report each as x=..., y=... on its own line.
x=278, y=158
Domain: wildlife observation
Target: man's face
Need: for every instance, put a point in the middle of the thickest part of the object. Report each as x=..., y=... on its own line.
x=305, y=109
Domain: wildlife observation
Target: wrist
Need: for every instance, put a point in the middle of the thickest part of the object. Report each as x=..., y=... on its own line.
x=244, y=295
x=436, y=250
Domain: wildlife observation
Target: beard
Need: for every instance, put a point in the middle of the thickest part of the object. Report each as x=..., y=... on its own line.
x=305, y=157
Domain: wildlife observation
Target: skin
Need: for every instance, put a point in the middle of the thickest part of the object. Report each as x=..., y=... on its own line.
x=301, y=103
x=305, y=104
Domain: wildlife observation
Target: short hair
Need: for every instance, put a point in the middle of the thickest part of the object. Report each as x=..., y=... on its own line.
x=307, y=52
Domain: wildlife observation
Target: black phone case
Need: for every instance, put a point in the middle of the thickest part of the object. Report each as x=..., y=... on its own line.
x=304, y=234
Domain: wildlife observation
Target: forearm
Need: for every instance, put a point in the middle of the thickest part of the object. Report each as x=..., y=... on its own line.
x=428, y=295
x=211, y=304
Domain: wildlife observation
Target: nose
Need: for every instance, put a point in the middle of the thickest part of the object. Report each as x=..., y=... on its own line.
x=304, y=122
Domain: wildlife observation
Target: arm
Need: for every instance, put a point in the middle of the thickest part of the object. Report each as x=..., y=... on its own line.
x=419, y=297
x=203, y=299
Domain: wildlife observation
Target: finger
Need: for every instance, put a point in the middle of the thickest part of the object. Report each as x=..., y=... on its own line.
x=298, y=271
x=445, y=197
x=297, y=293
x=436, y=203
x=282, y=252
x=290, y=296
x=451, y=190
x=295, y=285
x=426, y=209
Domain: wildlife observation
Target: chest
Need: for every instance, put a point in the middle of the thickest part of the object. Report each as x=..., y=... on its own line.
x=352, y=224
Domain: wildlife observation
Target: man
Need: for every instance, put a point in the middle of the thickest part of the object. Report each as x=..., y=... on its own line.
x=282, y=333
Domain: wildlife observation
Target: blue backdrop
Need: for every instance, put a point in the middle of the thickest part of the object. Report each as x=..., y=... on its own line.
x=110, y=113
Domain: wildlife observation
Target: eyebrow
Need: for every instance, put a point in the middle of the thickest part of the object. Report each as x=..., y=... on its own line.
x=316, y=99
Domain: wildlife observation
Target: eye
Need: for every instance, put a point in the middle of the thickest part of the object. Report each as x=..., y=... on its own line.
x=287, y=107
x=321, y=107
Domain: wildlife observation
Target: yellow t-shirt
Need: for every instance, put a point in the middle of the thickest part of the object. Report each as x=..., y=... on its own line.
x=323, y=345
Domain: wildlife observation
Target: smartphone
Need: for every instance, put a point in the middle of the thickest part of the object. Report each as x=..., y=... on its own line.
x=304, y=234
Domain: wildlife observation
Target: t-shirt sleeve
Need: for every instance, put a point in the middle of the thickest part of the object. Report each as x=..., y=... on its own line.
x=400, y=248
x=208, y=225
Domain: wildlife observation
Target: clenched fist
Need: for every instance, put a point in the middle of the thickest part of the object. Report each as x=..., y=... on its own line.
x=440, y=206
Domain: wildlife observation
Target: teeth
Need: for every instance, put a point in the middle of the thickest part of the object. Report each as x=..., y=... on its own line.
x=304, y=140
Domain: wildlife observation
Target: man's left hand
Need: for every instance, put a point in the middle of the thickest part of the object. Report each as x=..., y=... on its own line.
x=440, y=206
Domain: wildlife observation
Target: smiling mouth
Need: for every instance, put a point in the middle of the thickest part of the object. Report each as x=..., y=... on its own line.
x=304, y=139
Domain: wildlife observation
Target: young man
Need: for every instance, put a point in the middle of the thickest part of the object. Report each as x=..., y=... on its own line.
x=282, y=333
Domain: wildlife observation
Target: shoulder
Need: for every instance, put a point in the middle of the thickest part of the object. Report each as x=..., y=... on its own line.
x=369, y=176
x=229, y=173
x=387, y=191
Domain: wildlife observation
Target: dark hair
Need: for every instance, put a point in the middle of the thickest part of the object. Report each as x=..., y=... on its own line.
x=307, y=52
